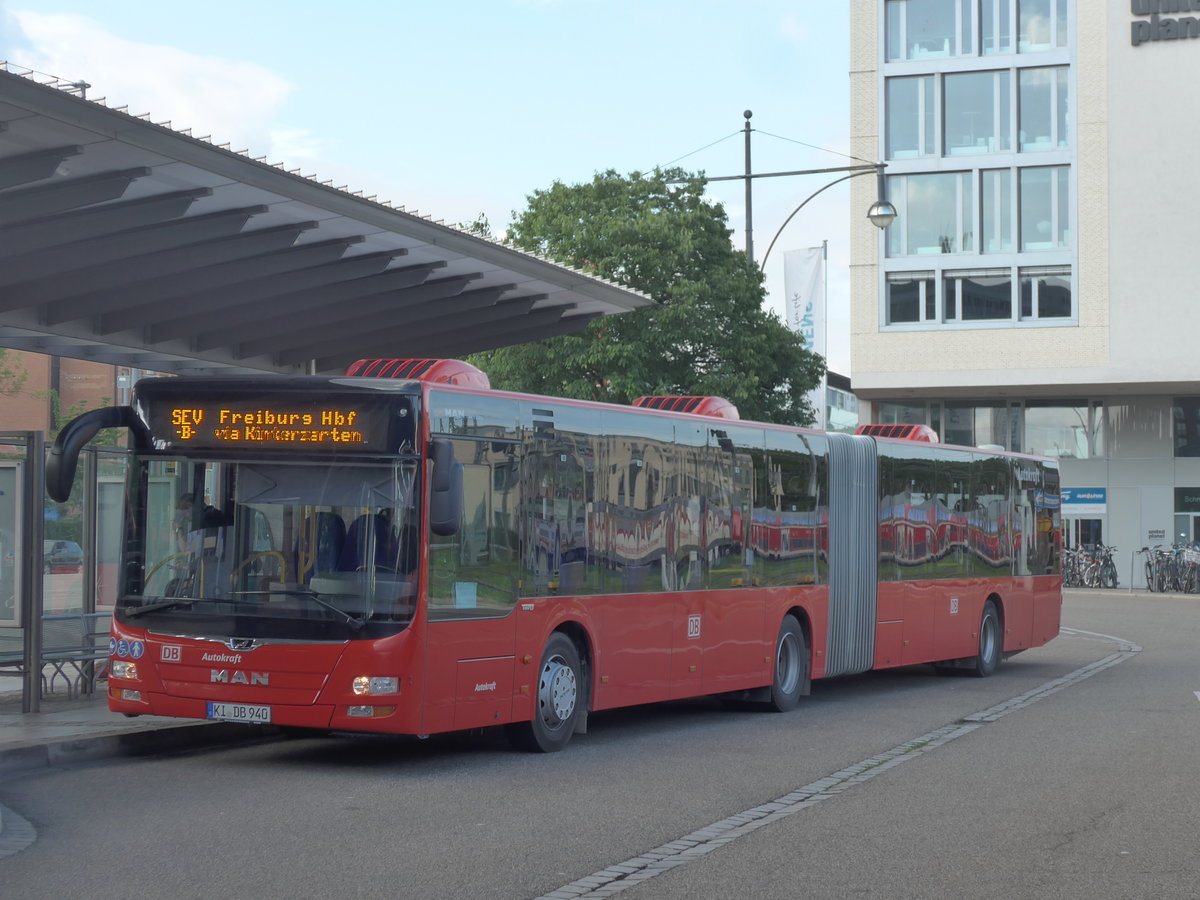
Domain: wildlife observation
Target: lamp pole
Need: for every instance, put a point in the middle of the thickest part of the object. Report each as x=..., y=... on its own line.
x=749, y=192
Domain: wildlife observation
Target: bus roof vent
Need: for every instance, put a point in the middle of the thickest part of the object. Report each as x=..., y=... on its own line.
x=439, y=371
x=700, y=406
x=901, y=432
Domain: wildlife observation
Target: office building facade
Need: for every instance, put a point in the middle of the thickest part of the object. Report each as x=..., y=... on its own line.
x=1036, y=291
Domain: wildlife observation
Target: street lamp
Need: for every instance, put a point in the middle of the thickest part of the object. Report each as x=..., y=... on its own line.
x=881, y=214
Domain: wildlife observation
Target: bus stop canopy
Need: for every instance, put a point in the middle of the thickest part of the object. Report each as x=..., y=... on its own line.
x=125, y=241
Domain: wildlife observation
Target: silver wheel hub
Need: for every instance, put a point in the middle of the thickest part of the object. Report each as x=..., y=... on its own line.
x=557, y=692
x=787, y=663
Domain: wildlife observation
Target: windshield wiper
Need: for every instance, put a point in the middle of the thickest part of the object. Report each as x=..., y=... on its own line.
x=357, y=623
x=131, y=611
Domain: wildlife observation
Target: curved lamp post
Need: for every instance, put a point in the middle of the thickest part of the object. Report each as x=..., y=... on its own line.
x=882, y=213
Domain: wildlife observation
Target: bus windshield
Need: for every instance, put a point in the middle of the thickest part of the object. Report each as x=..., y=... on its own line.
x=265, y=549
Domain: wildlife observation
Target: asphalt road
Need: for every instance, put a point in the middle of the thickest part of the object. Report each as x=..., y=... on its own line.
x=1070, y=773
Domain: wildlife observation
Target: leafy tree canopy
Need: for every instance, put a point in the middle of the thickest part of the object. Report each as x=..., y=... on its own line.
x=12, y=374
x=707, y=332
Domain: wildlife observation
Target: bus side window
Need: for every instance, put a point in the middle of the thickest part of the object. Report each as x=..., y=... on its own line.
x=471, y=573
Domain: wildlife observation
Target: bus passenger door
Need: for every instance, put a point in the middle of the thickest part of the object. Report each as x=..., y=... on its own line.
x=472, y=592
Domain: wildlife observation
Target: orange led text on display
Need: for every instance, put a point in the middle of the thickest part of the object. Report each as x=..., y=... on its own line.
x=269, y=426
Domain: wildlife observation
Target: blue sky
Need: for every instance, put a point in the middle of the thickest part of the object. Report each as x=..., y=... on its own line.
x=464, y=107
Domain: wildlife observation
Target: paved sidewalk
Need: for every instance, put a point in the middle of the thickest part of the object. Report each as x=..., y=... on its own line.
x=66, y=731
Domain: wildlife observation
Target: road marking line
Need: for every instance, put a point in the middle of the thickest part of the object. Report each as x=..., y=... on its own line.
x=695, y=845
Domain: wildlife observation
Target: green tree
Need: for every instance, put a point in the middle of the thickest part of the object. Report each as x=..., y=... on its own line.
x=707, y=332
x=12, y=375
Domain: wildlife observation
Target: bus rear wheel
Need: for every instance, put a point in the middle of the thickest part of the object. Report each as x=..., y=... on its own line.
x=557, y=700
x=791, y=666
x=991, y=637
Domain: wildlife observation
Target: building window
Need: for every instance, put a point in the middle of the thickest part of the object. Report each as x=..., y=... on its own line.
x=995, y=27
x=1046, y=293
x=1071, y=429
x=1041, y=25
x=978, y=295
x=996, y=206
x=1186, y=414
x=911, y=297
x=936, y=214
x=927, y=29
x=911, y=117
x=976, y=112
x=1043, y=97
x=1045, y=213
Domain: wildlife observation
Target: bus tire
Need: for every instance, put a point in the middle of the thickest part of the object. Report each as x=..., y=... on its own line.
x=558, y=700
x=991, y=640
x=791, y=666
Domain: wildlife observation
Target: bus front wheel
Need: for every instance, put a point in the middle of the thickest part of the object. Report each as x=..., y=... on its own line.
x=791, y=666
x=558, y=697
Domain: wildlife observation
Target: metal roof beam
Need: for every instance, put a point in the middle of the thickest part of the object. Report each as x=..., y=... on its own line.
x=150, y=267
x=395, y=343
x=167, y=287
x=95, y=221
x=310, y=340
x=375, y=312
x=260, y=299
x=297, y=303
x=165, y=302
x=125, y=248
x=36, y=166
x=485, y=321
x=46, y=199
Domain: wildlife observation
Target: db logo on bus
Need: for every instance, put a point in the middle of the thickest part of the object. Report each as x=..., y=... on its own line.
x=693, y=626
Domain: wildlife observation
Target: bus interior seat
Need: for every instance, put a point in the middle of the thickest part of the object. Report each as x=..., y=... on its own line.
x=327, y=533
x=355, y=551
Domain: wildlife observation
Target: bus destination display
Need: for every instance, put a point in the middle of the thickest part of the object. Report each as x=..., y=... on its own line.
x=303, y=426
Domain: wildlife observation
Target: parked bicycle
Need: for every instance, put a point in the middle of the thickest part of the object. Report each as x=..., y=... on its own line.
x=1092, y=568
x=1172, y=569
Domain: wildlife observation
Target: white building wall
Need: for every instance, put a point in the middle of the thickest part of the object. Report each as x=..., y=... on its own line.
x=1154, y=193
x=1134, y=126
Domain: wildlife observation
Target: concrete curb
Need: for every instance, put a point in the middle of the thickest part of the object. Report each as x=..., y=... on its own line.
x=72, y=751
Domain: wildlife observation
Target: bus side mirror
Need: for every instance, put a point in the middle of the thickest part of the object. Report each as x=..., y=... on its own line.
x=63, y=458
x=445, y=489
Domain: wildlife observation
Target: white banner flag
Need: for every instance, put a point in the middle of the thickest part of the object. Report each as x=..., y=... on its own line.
x=804, y=285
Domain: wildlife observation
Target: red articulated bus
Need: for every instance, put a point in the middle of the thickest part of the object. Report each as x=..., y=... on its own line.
x=405, y=550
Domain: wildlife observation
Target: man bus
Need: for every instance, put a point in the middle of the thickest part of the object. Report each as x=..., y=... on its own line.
x=405, y=550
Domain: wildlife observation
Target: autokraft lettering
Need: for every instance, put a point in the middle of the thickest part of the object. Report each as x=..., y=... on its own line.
x=224, y=676
x=489, y=686
x=233, y=658
x=1159, y=28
